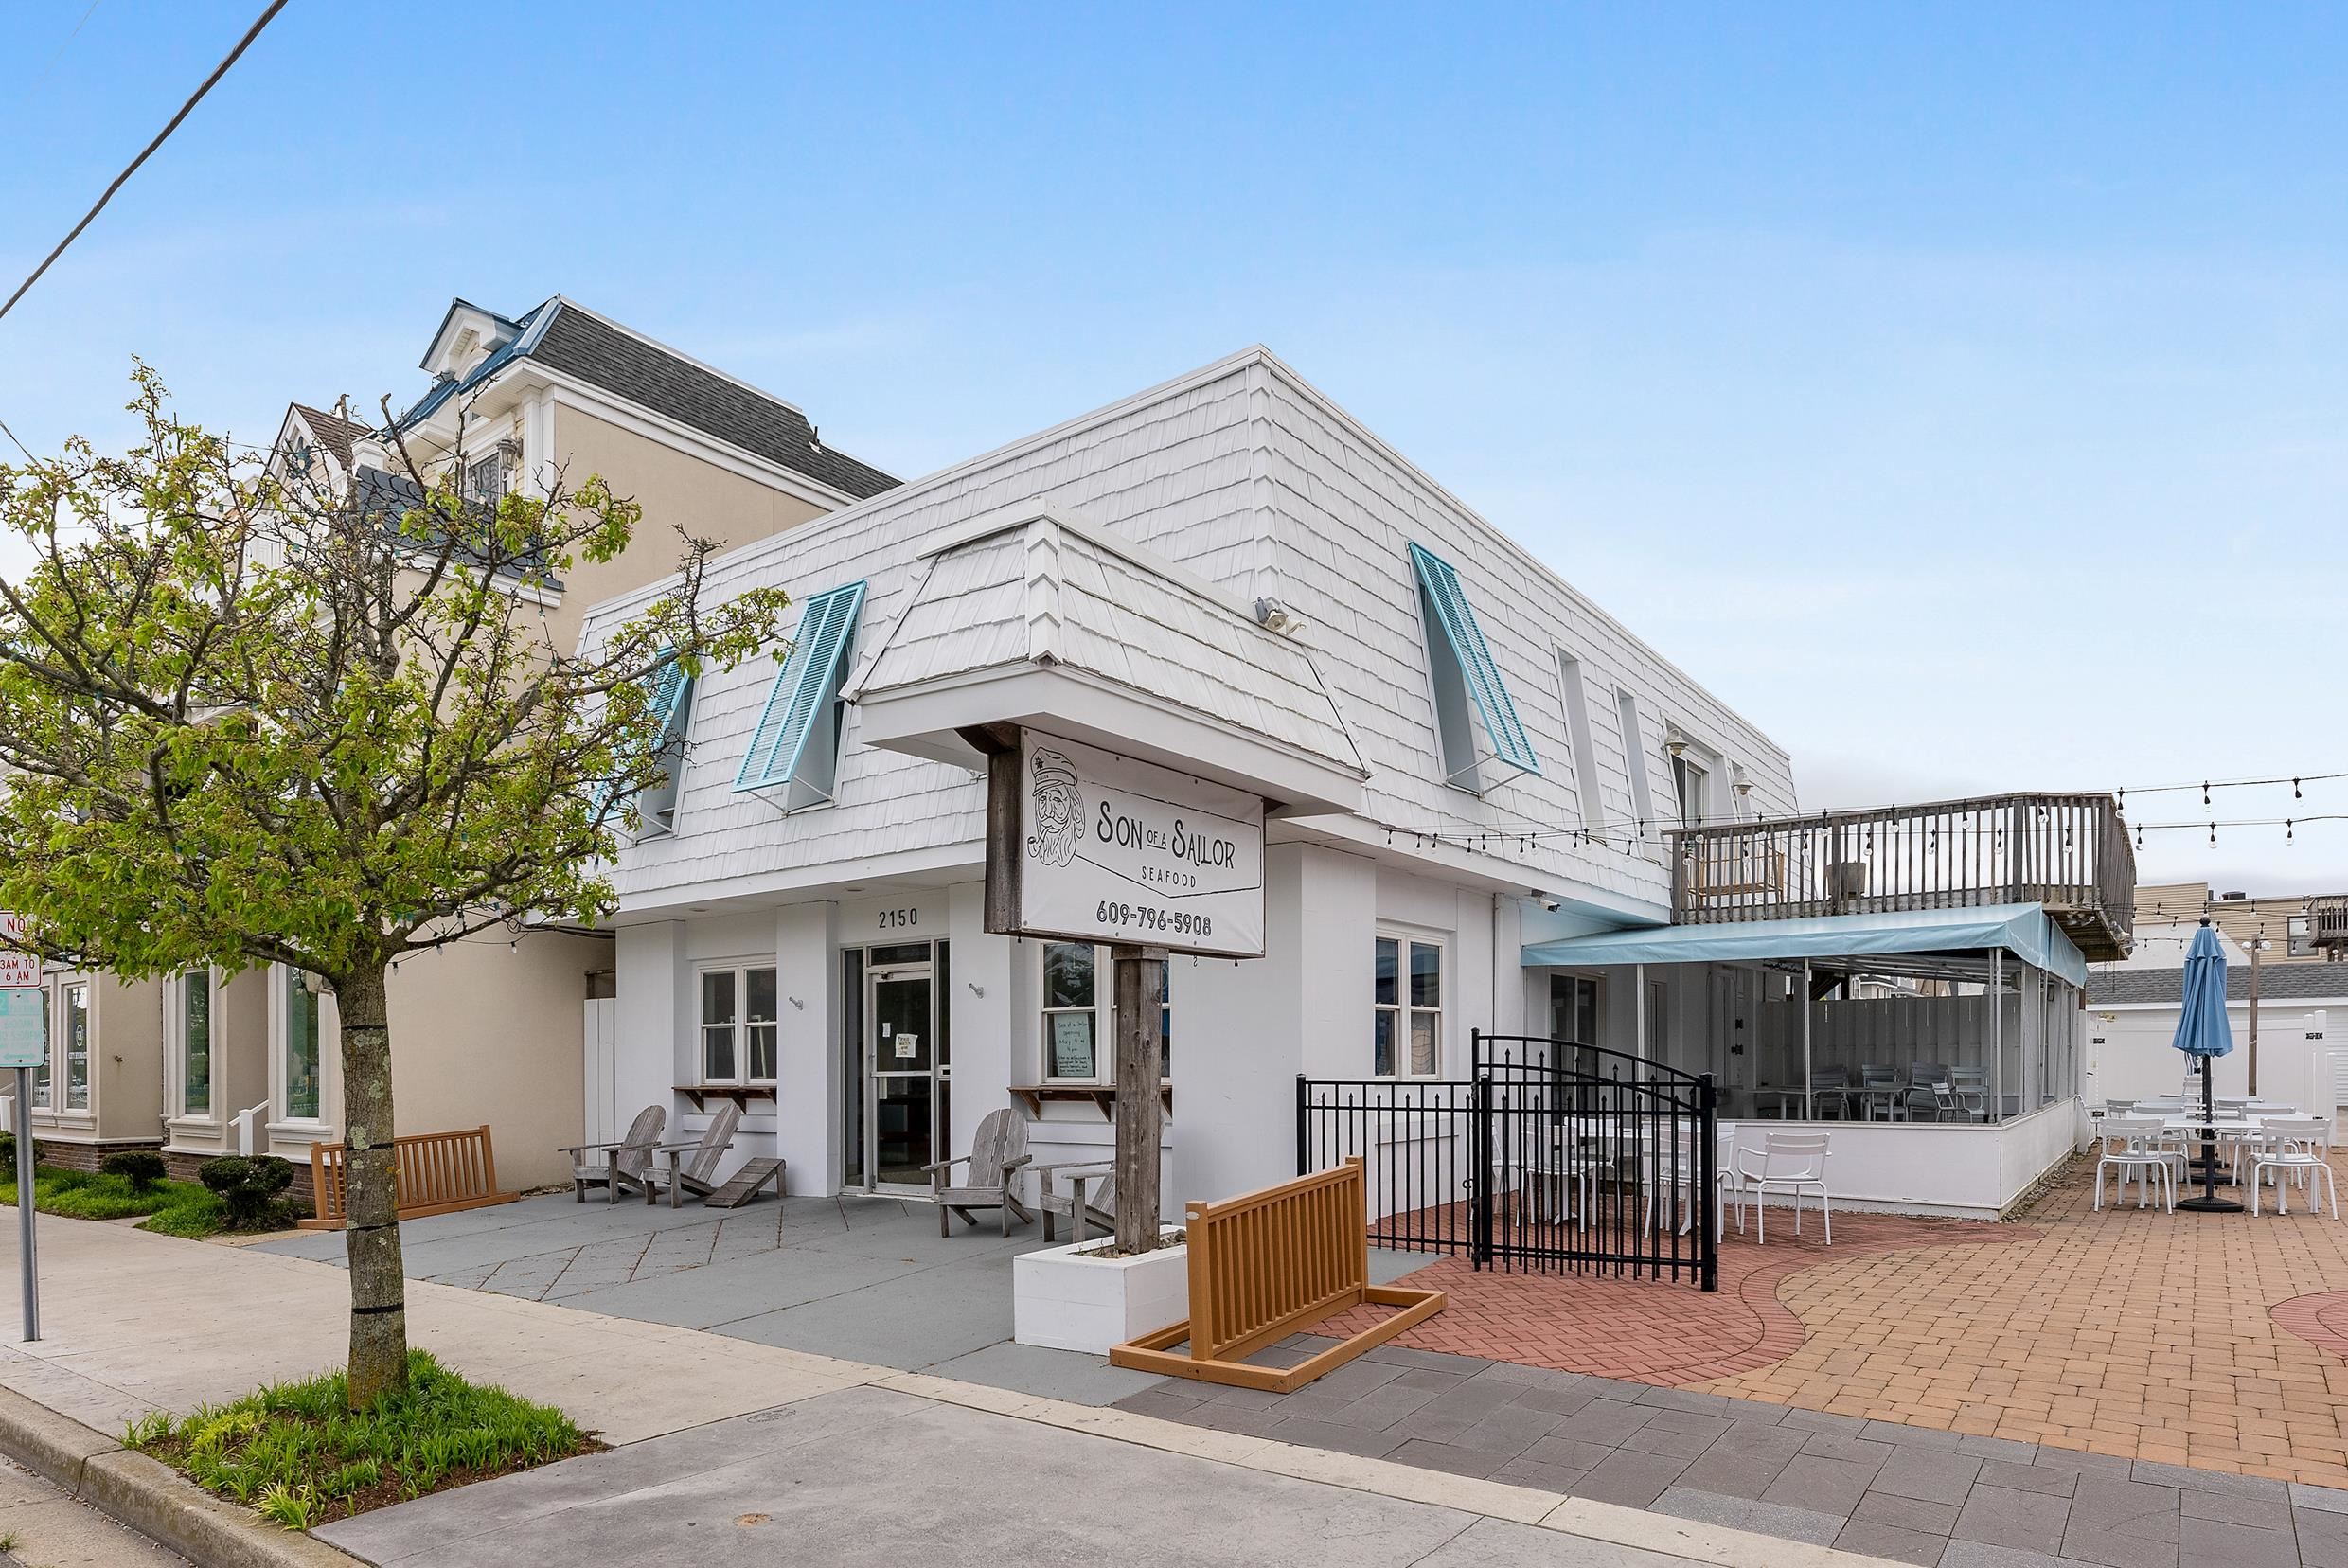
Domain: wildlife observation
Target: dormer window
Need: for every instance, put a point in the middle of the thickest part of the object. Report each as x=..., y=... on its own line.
x=468, y=335
x=485, y=478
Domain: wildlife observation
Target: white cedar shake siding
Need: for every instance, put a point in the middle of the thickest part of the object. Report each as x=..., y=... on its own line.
x=1247, y=476
x=1242, y=475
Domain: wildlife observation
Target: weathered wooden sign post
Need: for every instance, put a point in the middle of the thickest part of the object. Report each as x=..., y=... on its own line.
x=1085, y=845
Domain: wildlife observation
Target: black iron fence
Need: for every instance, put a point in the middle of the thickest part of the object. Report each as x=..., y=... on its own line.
x=1550, y=1157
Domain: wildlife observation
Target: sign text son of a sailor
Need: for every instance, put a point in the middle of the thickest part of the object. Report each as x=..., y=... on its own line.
x=1096, y=847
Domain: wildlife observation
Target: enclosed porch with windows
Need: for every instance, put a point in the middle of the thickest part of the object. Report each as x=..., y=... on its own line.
x=1939, y=1048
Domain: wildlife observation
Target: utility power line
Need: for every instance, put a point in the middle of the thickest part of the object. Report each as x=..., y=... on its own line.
x=145, y=152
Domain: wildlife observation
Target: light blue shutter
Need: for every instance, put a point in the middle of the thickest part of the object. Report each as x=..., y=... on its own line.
x=1453, y=624
x=796, y=740
x=669, y=697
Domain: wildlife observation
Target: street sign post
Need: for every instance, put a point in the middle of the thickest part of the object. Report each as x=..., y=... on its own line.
x=24, y=1046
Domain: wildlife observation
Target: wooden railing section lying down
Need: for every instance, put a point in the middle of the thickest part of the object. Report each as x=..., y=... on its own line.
x=438, y=1173
x=1268, y=1264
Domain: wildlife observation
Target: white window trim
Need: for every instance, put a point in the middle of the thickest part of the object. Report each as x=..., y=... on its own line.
x=1634, y=763
x=281, y=1117
x=741, y=968
x=175, y=1051
x=1573, y=693
x=57, y=1034
x=1401, y=1007
x=1104, y=1012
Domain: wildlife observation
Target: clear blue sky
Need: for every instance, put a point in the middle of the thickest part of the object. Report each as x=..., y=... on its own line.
x=1962, y=392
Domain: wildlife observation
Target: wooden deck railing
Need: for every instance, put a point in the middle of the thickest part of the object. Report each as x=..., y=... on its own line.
x=2069, y=852
x=1265, y=1264
x=437, y=1173
x=2327, y=922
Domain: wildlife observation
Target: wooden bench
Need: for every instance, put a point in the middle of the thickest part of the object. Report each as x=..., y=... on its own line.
x=1269, y=1264
x=438, y=1172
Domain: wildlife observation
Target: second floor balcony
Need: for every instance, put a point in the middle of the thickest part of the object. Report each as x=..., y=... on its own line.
x=2327, y=924
x=2067, y=852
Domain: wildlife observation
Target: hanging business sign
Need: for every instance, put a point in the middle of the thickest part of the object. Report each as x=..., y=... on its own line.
x=16, y=969
x=1085, y=845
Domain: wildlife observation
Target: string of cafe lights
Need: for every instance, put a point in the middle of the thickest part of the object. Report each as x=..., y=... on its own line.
x=1628, y=834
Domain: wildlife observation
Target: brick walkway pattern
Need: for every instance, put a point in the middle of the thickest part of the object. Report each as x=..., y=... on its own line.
x=2131, y=1334
x=1655, y=1331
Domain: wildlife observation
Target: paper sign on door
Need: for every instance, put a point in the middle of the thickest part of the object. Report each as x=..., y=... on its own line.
x=908, y=1046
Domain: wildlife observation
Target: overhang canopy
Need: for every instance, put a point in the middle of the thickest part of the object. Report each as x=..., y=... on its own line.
x=1035, y=619
x=2022, y=930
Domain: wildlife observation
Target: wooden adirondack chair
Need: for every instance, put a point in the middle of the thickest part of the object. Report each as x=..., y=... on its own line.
x=1090, y=1194
x=996, y=1156
x=627, y=1163
x=692, y=1164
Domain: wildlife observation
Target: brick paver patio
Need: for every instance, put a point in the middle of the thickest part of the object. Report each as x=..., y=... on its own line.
x=2128, y=1332
x=2118, y=1388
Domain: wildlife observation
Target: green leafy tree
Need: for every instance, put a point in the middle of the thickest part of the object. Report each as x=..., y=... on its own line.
x=251, y=714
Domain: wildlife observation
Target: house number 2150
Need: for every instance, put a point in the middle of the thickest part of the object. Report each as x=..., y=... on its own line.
x=892, y=919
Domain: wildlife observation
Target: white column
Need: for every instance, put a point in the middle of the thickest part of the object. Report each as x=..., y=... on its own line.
x=1809, y=1110
x=1638, y=1011
x=809, y=1070
x=1997, y=1033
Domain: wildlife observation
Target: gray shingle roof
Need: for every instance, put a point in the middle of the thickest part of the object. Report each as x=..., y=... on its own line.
x=2276, y=983
x=570, y=338
x=668, y=384
x=333, y=433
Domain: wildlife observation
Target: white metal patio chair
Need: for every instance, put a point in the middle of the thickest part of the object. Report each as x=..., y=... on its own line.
x=1878, y=1089
x=1926, y=1079
x=1968, y=1094
x=1572, y=1163
x=1830, y=1083
x=2140, y=1147
x=1791, y=1162
x=1673, y=1169
x=2301, y=1148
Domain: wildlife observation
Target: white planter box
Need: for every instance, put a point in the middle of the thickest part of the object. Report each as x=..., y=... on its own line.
x=1063, y=1301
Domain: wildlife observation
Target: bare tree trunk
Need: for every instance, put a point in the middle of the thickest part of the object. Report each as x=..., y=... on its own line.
x=1140, y=1032
x=378, y=1325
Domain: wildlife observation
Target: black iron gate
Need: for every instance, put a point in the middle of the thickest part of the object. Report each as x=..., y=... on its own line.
x=1550, y=1157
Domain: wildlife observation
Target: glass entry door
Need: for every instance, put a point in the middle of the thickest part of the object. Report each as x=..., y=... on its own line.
x=903, y=1072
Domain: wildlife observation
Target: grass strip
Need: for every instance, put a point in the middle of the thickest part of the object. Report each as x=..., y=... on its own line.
x=295, y=1454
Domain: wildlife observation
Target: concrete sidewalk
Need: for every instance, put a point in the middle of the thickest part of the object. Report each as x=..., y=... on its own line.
x=727, y=1450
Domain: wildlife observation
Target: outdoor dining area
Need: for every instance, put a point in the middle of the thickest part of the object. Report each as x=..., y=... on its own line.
x=2164, y=1142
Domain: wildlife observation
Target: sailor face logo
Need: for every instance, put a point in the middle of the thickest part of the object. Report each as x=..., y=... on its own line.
x=1058, y=809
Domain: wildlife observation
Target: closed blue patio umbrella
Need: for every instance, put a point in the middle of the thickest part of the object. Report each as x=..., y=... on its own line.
x=2203, y=1033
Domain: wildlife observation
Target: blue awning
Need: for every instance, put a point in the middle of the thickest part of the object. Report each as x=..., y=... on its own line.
x=2022, y=930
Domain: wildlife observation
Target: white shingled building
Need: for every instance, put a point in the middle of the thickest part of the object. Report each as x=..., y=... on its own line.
x=1225, y=574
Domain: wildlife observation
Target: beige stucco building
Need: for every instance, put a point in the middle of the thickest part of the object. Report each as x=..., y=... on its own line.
x=487, y=1030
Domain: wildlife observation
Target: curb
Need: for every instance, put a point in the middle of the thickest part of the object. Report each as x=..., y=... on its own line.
x=147, y=1495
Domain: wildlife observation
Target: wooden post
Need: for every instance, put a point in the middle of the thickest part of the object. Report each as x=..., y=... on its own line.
x=1141, y=1030
x=2258, y=944
x=1006, y=762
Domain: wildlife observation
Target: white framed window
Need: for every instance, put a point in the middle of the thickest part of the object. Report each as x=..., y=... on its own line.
x=192, y=995
x=1406, y=1004
x=72, y=1034
x=1635, y=762
x=738, y=1024
x=1692, y=782
x=1588, y=798
x=485, y=478
x=45, y=1075
x=1079, y=1015
x=299, y=1025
